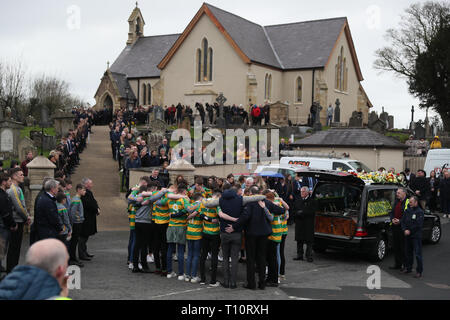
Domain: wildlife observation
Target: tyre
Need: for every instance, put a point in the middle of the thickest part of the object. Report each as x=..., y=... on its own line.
x=435, y=234
x=379, y=250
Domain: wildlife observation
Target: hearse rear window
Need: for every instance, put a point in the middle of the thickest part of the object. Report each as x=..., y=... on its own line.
x=338, y=199
x=380, y=203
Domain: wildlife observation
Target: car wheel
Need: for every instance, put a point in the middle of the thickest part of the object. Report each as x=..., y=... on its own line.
x=435, y=235
x=379, y=250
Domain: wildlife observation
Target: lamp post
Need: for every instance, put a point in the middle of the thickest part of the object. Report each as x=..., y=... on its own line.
x=127, y=91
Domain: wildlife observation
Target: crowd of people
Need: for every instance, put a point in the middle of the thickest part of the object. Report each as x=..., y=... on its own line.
x=56, y=214
x=208, y=217
x=175, y=114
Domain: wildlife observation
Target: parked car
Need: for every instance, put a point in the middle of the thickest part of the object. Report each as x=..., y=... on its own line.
x=353, y=215
x=284, y=169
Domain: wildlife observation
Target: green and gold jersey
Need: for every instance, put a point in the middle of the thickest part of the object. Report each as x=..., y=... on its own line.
x=277, y=224
x=195, y=225
x=177, y=207
x=210, y=227
x=161, y=211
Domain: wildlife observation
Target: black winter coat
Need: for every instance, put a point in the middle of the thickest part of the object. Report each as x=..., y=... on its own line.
x=444, y=188
x=6, y=211
x=421, y=184
x=254, y=219
x=304, y=216
x=47, y=222
x=90, y=207
x=231, y=204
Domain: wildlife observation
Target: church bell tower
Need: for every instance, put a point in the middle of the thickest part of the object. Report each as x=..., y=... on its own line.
x=136, y=23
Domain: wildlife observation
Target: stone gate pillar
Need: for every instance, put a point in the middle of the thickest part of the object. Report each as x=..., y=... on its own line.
x=181, y=167
x=38, y=169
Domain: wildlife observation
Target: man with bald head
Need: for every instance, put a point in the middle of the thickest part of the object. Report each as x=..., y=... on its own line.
x=42, y=277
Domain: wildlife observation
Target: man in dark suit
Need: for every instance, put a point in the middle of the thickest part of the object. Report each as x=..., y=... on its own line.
x=304, y=215
x=47, y=221
x=421, y=186
x=257, y=228
x=91, y=211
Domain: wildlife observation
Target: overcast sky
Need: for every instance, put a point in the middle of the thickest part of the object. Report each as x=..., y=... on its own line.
x=74, y=39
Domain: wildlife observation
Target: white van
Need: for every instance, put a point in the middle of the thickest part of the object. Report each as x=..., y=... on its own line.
x=343, y=164
x=436, y=160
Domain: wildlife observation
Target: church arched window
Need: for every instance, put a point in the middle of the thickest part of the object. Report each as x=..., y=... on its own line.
x=299, y=90
x=205, y=60
x=149, y=94
x=341, y=72
x=144, y=93
x=210, y=53
x=268, y=87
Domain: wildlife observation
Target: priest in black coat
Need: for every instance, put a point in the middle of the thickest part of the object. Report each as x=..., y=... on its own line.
x=304, y=216
x=91, y=211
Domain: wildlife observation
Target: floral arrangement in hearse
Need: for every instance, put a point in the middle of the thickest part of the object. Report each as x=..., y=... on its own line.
x=381, y=177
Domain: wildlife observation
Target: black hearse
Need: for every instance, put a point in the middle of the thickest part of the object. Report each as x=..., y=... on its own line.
x=354, y=215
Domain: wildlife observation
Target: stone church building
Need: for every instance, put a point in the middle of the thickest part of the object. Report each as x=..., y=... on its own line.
x=296, y=63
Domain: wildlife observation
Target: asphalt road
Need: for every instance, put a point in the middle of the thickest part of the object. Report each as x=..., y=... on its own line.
x=333, y=275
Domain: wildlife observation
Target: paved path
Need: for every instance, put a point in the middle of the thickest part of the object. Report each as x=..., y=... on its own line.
x=98, y=165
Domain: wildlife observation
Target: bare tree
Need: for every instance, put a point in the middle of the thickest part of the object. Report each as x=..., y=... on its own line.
x=418, y=27
x=12, y=85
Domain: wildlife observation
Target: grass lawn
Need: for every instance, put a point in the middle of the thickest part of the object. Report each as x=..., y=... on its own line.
x=25, y=132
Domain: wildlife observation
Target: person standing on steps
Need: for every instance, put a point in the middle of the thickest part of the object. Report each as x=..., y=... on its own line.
x=91, y=211
x=21, y=216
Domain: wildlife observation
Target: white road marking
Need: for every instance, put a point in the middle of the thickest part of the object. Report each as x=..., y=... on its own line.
x=179, y=292
x=383, y=297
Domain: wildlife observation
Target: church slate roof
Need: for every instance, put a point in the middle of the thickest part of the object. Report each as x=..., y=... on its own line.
x=249, y=36
x=302, y=45
x=122, y=84
x=140, y=60
x=305, y=44
x=349, y=137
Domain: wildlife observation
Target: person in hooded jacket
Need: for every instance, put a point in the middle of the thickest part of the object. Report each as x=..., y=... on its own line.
x=43, y=277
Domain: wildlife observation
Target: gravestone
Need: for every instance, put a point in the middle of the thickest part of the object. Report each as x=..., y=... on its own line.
x=384, y=116
x=63, y=122
x=391, y=122
x=378, y=126
x=279, y=114
x=373, y=116
x=9, y=138
x=220, y=121
x=49, y=142
x=356, y=120
x=157, y=114
x=419, y=131
x=337, y=111
x=26, y=145
x=30, y=121
x=317, y=126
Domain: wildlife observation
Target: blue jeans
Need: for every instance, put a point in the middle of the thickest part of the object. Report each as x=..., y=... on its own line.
x=413, y=246
x=193, y=257
x=329, y=120
x=131, y=243
x=180, y=250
